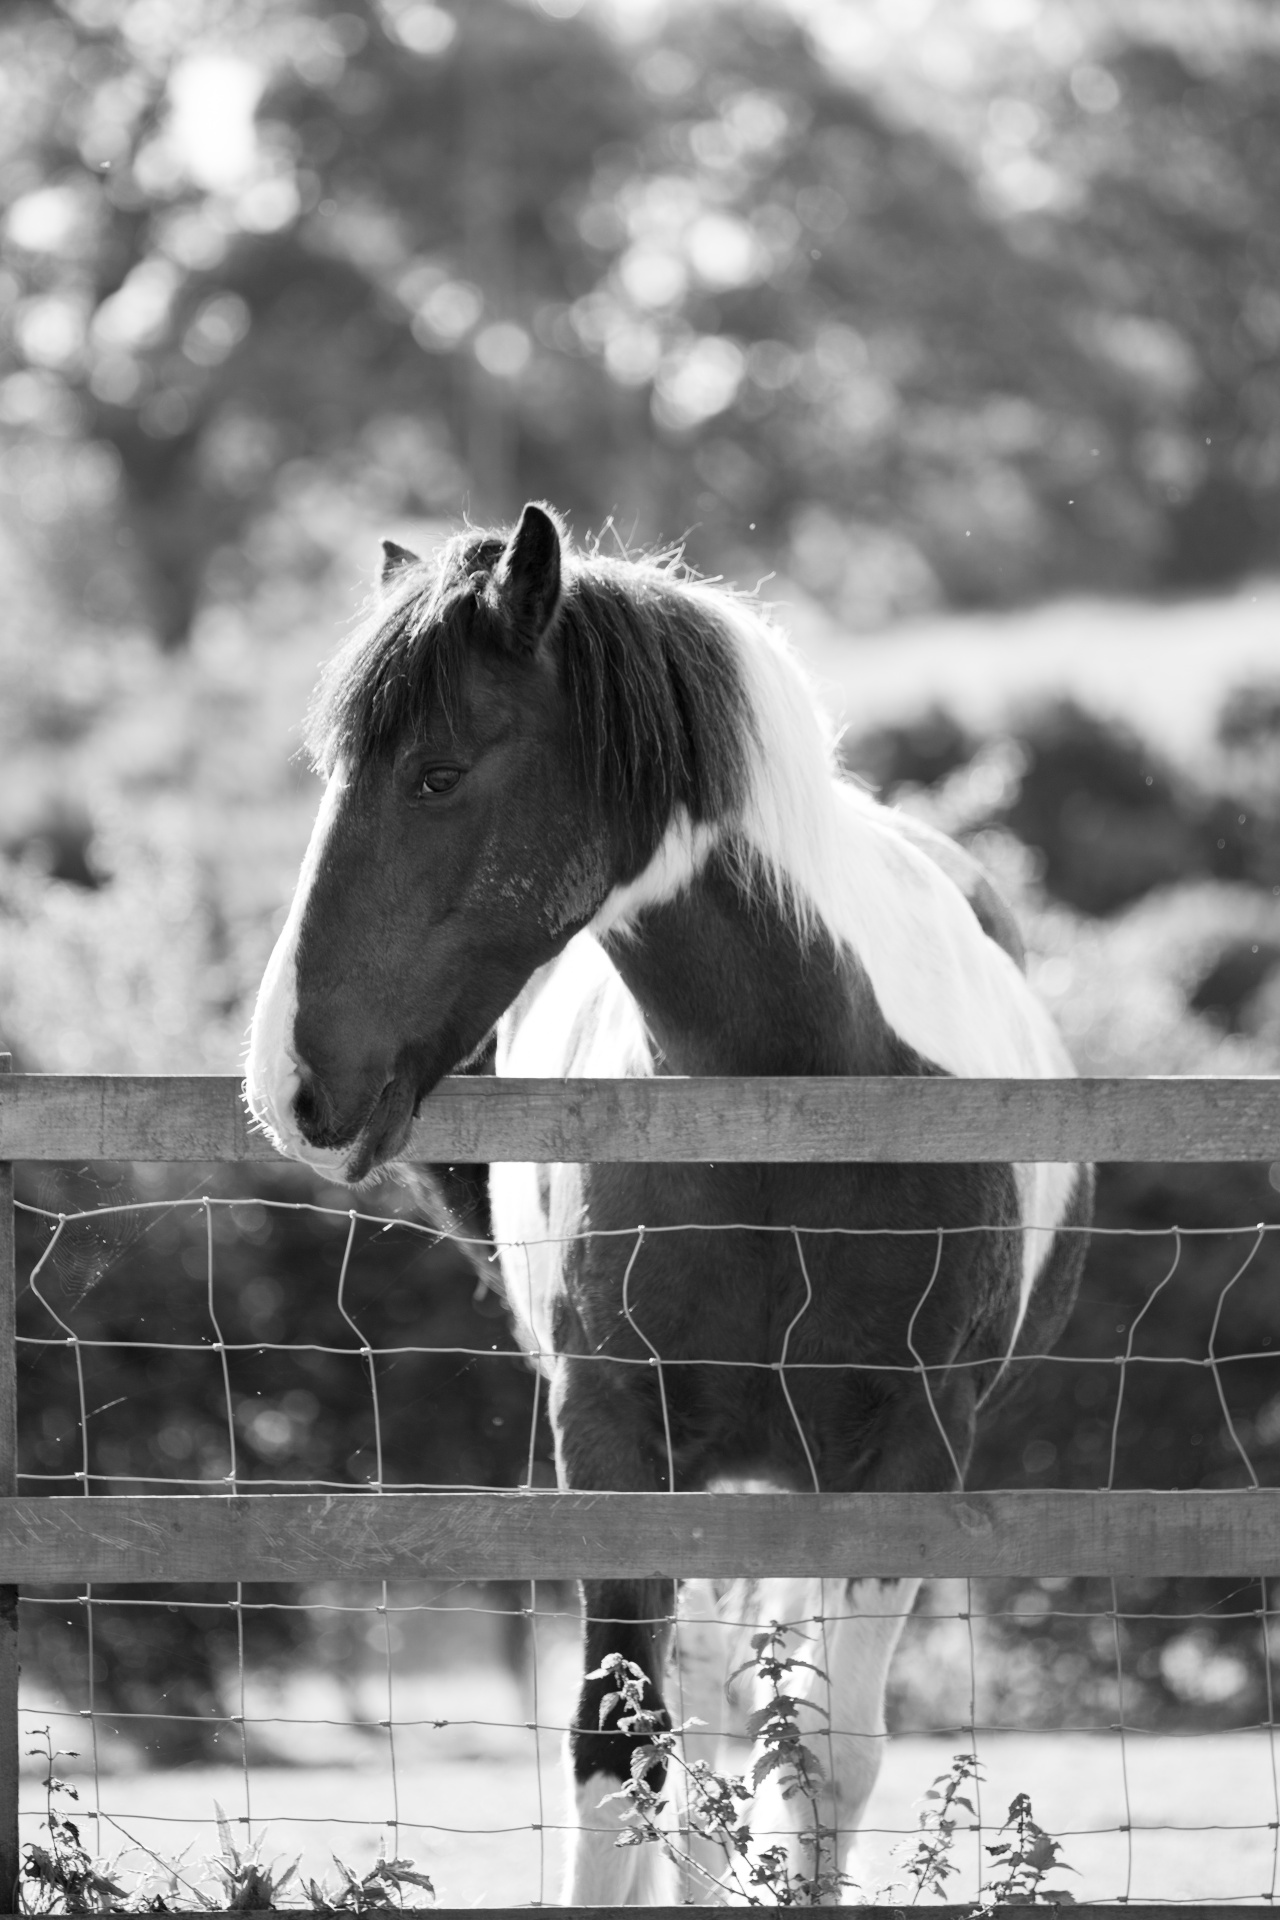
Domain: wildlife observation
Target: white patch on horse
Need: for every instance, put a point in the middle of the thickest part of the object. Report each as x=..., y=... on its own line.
x=271, y=1077
x=848, y=1632
x=712, y=1716
x=601, y=1873
x=679, y=859
x=533, y=1231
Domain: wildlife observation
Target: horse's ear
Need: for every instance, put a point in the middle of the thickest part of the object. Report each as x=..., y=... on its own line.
x=395, y=561
x=527, y=576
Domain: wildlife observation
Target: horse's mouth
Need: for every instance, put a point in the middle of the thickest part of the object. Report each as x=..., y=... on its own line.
x=386, y=1130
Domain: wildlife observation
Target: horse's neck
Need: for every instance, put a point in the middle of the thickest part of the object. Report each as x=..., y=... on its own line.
x=726, y=985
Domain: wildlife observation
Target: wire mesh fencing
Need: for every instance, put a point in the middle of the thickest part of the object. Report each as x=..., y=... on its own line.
x=444, y=1770
x=250, y=1342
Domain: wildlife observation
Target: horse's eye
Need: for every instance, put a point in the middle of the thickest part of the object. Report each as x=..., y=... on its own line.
x=440, y=779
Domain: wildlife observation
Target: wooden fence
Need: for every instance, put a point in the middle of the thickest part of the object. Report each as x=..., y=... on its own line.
x=145, y=1538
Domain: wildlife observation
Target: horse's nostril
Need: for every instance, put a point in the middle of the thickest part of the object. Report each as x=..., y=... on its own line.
x=307, y=1107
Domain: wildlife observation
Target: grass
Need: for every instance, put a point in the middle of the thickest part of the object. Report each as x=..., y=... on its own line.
x=470, y=1822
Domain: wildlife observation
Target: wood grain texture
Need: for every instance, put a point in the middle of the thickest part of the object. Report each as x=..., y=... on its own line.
x=68, y=1117
x=563, y=1535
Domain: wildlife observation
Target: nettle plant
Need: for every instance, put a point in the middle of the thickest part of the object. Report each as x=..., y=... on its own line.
x=60, y=1875
x=716, y=1806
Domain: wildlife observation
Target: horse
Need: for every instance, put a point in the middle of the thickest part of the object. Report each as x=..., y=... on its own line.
x=588, y=805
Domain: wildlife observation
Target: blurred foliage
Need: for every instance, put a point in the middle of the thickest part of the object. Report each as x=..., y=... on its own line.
x=151, y=1293
x=965, y=313
x=1107, y=817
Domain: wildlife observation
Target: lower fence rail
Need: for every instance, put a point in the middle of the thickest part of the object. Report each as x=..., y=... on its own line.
x=126, y=1538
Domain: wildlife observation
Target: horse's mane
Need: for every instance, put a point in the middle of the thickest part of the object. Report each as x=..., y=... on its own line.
x=664, y=718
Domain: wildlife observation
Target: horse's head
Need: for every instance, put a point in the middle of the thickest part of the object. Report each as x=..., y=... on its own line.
x=517, y=735
x=455, y=851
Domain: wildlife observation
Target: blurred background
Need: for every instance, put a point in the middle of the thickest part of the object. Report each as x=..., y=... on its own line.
x=954, y=324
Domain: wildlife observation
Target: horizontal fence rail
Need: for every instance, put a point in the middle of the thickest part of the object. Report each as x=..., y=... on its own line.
x=72, y=1117
x=548, y=1536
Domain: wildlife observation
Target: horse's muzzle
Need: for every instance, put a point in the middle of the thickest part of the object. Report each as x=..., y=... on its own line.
x=374, y=1136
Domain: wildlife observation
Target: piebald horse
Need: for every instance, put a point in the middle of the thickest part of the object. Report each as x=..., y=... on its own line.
x=589, y=804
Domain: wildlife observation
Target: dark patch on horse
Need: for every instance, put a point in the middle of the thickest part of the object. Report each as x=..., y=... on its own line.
x=730, y=1296
x=456, y=1197
x=996, y=919
x=757, y=999
x=620, y=1617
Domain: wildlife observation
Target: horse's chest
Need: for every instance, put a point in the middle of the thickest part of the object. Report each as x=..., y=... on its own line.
x=735, y=1263
x=608, y=1257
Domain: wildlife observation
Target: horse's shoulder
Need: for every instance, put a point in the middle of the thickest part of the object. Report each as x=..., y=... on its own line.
x=991, y=910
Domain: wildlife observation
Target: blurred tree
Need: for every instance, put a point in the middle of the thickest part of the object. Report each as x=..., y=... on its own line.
x=867, y=373
x=1176, y=247
x=355, y=280
x=917, y=752
x=1239, y=972
x=975, y=343
x=1109, y=817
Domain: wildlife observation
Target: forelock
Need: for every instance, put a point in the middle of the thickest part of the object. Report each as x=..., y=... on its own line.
x=405, y=662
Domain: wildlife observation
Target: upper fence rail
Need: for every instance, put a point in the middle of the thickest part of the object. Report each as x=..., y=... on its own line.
x=182, y=1118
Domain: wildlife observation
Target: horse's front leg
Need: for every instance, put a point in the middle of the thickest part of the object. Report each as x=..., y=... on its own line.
x=840, y=1636
x=711, y=1706
x=843, y=1638
x=605, y=1441
x=630, y=1618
